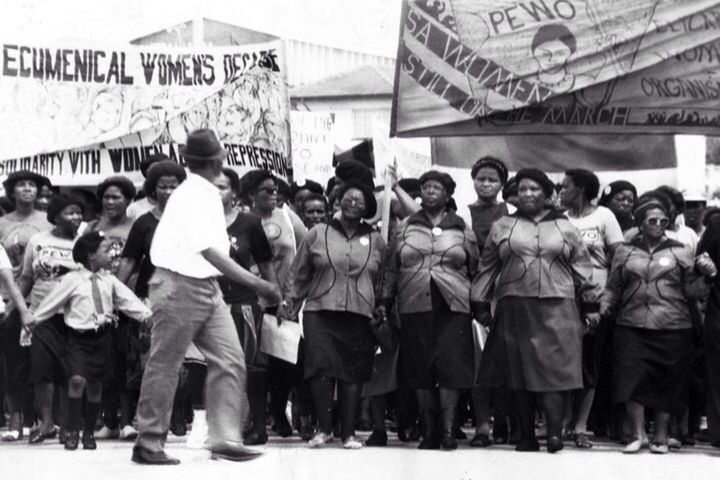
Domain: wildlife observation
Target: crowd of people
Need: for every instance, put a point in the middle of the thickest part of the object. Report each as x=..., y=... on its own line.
x=540, y=310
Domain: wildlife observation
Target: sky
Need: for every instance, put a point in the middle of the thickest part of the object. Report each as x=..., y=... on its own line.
x=369, y=26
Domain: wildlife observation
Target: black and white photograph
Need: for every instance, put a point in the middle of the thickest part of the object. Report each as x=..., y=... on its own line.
x=360, y=239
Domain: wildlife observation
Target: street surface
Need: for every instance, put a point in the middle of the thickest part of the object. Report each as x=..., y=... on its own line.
x=289, y=459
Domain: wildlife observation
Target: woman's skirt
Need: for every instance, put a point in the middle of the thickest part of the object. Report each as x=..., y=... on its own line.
x=248, y=323
x=652, y=367
x=535, y=344
x=338, y=345
x=16, y=358
x=47, y=352
x=436, y=348
x=89, y=354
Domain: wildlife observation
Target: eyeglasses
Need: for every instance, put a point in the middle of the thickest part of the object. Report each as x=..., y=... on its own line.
x=268, y=190
x=655, y=221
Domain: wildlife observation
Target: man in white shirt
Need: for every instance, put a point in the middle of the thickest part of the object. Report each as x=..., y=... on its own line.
x=190, y=250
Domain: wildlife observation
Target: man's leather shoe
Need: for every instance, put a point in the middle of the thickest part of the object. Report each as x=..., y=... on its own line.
x=233, y=452
x=146, y=457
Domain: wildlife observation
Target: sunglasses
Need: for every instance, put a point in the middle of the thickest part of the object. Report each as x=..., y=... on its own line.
x=655, y=221
x=268, y=190
x=349, y=202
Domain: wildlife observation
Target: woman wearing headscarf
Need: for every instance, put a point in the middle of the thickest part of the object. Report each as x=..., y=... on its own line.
x=431, y=261
x=250, y=248
x=48, y=257
x=650, y=284
x=335, y=272
x=285, y=231
x=601, y=234
x=22, y=189
x=489, y=176
x=620, y=197
x=115, y=194
x=536, y=267
x=162, y=178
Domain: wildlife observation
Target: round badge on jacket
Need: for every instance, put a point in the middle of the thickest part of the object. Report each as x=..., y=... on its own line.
x=664, y=261
x=437, y=231
x=364, y=241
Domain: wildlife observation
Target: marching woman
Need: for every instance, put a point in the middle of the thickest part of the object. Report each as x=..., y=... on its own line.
x=162, y=178
x=489, y=176
x=249, y=247
x=536, y=267
x=620, y=197
x=648, y=291
x=335, y=272
x=88, y=297
x=285, y=231
x=115, y=194
x=432, y=259
x=601, y=234
x=48, y=257
x=16, y=228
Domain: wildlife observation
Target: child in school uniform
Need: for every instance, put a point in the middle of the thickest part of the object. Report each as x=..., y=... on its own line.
x=88, y=297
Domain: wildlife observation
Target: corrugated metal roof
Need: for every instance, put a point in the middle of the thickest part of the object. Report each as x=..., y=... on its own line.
x=363, y=81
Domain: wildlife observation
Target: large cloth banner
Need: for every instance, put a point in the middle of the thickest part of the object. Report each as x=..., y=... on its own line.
x=78, y=115
x=484, y=67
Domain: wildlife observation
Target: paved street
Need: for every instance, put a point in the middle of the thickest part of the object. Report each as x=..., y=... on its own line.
x=289, y=459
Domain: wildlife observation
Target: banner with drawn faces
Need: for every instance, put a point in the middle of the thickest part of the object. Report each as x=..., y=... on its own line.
x=79, y=114
x=484, y=67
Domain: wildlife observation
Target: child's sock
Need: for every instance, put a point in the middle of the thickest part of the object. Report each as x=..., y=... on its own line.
x=74, y=414
x=91, y=413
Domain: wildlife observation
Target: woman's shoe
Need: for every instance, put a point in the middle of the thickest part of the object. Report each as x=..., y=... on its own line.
x=283, y=427
x=500, y=433
x=306, y=428
x=320, y=439
x=88, y=441
x=256, y=439
x=659, y=448
x=378, y=438
x=635, y=445
x=37, y=436
x=582, y=440
x=352, y=443
x=481, y=440
x=554, y=444
x=11, y=436
x=72, y=440
x=687, y=440
x=448, y=441
x=430, y=443
x=674, y=444
x=528, y=446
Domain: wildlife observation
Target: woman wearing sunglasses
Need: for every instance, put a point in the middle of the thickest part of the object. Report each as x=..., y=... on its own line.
x=285, y=231
x=335, y=274
x=651, y=281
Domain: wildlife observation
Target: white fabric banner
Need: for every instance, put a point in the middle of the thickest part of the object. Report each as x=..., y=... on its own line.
x=80, y=113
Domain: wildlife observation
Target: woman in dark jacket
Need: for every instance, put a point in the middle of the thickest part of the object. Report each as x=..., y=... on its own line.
x=335, y=272
x=432, y=259
x=620, y=197
x=535, y=266
x=651, y=280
